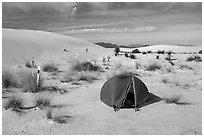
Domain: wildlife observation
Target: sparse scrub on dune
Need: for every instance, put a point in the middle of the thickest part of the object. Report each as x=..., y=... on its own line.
x=172, y=99
x=50, y=67
x=194, y=58
x=169, y=69
x=29, y=82
x=15, y=104
x=85, y=66
x=118, y=65
x=154, y=66
x=165, y=80
x=9, y=79
x=28, y=64
x=43, y=102
x=79, y=76
x=132, y=56
x=175, y=99
x=90, y=77
x=185, y=66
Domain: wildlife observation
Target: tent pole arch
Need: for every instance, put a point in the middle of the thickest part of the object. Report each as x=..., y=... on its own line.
x=133, y=82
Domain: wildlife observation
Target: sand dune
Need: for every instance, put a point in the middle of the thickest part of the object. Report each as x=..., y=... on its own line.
x=21, y=45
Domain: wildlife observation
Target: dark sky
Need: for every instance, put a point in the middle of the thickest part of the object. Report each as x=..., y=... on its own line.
x=166, y=17
x=97, y=8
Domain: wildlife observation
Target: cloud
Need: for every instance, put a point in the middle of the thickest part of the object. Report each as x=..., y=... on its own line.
x=61, y=8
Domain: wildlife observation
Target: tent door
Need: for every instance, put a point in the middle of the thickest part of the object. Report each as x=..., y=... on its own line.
x=129, y=101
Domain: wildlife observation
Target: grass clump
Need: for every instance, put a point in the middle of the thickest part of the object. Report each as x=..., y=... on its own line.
x=194, y=58
x=9, y=79
x=15, y=104
x=50, y=67
x=43, y=102
x=165, y=80
x=132, y=56
x=153, y=66
x=85, y=66
x=89, y=77
x=185, y=66
x=28, y=64
x=173, y=99
x=29, y=82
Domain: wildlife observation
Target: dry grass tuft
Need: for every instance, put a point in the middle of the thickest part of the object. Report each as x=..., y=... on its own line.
x=154, y=66
x=43, y=102
x=15, y=104
x=85, y=66
x=9, y=79
x=185, y=66
x=50, y=67
x=195, y=58
x=29, y=82
x=175, y=99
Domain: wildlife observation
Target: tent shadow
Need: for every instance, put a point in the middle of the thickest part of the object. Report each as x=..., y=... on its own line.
x=151, y=100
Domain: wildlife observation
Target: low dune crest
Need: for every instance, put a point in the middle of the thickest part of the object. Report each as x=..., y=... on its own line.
x=22, y=45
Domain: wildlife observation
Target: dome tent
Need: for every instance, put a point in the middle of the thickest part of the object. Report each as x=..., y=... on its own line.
x=124, y=91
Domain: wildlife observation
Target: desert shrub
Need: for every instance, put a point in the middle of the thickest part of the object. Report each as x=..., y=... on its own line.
x=200, y=52
x=144, y=52
x=108, y=58
x=194, y=58
x=161, y=51
x=28, y=64
x=43, y=102
x=185, y=66
x=29, y=82
x=175, y=99
x=149, y=51
x=89, y=77
x=132, y=56
x=15, y=104
x=169, y=69
x=165, y=80
x=137, y=65
x=118, y=65
x=104, y=59
x=50, y=67
x=136, y=51
x=117, y=50
x=153, y=66
x=126, y=55
x=85, y=66
x=9, y=79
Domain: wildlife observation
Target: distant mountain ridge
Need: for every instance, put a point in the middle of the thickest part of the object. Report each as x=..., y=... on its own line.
x=112, y=45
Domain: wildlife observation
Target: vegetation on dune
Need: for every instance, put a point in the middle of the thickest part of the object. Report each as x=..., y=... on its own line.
x=132, y=56
x=15, y=104
x=194, y=58
x=50, y=67
x=85, y=66
x=165, y=80
x=185, y=66
x=173, y=99
x=9, y=79
x=117, y=50
x=28, y=64
x=43, y=102
x=29, y=82
x=79, y=76
x=136, y=51
x=153, y=66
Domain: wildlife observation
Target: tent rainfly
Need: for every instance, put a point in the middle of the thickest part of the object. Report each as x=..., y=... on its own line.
x=124, y=91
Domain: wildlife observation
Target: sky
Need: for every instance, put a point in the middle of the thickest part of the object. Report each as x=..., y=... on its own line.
x=164, y=16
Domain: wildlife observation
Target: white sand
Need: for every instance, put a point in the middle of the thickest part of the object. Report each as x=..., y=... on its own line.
x=21, y=45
